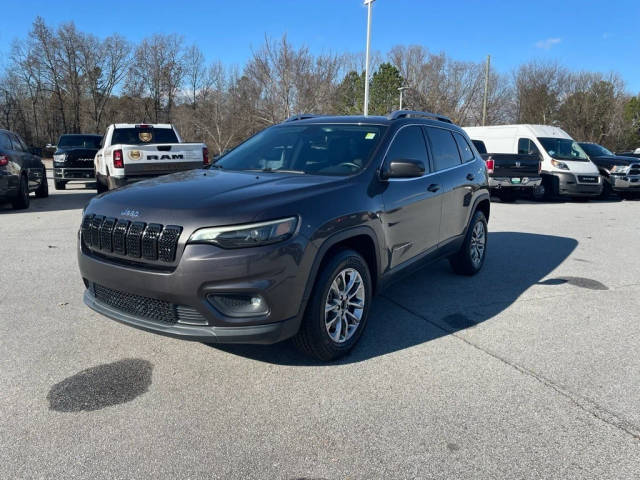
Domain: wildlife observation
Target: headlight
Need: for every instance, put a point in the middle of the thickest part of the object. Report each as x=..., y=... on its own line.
x=252, y=235
x=560, y=165
x=60, y=157
x=620, y=169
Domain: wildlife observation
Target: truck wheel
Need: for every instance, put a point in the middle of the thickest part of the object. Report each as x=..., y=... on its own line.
x=470, y=257
x=551, y=187
x=338, y=309
x=606, y=189
x=100, y=185
x=22, y=199
x=507, y=197
x=59, y=184
x=43, y=189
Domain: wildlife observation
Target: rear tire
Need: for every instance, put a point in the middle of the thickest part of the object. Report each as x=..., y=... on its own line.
x=59, y=184
x=100, y=186
x=507, y=197
x=22, y=199
x=470, y=258
x=332, y=323
x=43, y=189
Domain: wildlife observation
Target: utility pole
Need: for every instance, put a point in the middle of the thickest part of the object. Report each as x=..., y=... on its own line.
x=401, y=89
x=368, y=3
x=486, y=91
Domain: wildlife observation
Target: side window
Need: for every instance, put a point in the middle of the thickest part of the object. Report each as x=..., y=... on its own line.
x=465, y=150
x=443, y=148
x=409, y=145
x=527, y=147
x=523, y=146
x=5, y=143
x=17, y=146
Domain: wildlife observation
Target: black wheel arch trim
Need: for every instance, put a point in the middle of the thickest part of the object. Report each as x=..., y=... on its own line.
x=330, y=242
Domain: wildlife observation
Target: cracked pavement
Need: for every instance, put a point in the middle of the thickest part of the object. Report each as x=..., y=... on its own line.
x=528, y=370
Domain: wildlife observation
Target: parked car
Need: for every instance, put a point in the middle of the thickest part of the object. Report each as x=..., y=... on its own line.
x=289, y=234
x=21, y=172
x=621, y=174
x=134, y=152
x=513, y=174
x=635, y=153
x=565, y=169
x=73, y=159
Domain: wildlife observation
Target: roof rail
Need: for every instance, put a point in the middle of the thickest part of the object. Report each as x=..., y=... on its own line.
x=416, y=113
x=301, y=116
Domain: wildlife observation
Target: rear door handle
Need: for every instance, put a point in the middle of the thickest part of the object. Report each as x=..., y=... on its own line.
x=470, y=177
x=434, y=187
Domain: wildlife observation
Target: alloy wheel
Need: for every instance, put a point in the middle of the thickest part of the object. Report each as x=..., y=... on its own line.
x=344, y=305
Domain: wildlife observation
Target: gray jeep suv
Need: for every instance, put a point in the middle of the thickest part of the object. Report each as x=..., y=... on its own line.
x=290, y=234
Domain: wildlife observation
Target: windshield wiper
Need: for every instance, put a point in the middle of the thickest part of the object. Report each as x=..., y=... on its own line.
x=275, y=170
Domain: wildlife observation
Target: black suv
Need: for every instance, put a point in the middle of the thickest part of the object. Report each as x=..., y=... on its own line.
x=73, y=159
x=290, y=234
x=21, y=171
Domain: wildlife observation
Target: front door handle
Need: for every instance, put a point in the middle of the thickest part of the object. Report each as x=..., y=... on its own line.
x=470, y=177
x=434, y=187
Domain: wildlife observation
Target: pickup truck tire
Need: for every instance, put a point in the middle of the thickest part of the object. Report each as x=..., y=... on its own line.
x=507, y=197
x=100, y=185
x=333, y=323
x=43, y=189
x=22, y=199
x=59, y=184
x=470, y=258
x=551, y=187
x=607, y=191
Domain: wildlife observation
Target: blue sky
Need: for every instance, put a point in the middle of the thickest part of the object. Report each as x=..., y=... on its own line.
x=589, y=35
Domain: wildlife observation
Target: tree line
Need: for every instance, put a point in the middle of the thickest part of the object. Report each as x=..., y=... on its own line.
x=62, y=80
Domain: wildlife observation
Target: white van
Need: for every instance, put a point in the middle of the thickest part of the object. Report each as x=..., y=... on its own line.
x=565, y=168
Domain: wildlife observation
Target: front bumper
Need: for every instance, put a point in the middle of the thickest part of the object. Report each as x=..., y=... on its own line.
x=74, y=173
x=277, y=272
x=257, y=334
x=503, y=183
x=625, y=183
x=569, y=185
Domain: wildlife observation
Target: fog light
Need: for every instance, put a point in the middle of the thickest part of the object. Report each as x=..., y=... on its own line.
x=234, y=305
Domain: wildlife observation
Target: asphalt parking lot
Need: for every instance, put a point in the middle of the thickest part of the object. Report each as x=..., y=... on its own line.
x=528, y=370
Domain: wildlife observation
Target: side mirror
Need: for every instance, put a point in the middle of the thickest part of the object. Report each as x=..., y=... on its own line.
x=402, y=168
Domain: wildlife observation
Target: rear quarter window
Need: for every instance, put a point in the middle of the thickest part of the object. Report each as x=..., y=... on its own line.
x=466, y=153
x=443, y=148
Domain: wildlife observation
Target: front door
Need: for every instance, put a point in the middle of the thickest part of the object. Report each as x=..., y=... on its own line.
x=412, y=206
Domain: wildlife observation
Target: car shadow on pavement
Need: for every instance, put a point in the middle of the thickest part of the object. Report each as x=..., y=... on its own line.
x=71, y=199
x=435, y=302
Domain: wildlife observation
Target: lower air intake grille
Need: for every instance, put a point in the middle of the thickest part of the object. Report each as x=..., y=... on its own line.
x=149, y=308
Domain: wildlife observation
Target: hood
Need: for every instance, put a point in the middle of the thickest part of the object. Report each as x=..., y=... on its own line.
x=77, y=152
x=617, y=159
x=213, y=197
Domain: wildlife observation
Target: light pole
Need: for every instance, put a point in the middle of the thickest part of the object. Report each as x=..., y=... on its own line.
x=368, y=3
x=401, y=89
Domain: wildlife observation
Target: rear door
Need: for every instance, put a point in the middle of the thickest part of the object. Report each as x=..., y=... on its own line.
x=24, y=159
x=412, y=206
x=458, y=177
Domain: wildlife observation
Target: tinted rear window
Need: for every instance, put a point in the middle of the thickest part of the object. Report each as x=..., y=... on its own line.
x=444, y=149
x=140, y=136
x=5, y=143
x=86, y=141
x=465, y=150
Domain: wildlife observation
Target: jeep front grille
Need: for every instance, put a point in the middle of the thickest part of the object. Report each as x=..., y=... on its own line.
x=146, y=307
x=130, y=239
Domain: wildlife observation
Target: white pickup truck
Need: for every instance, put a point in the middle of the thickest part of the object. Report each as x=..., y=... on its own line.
x=132, y=152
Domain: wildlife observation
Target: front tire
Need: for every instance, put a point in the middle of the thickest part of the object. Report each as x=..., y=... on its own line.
x=60, y=184
x=22, y=199
x=338, y=309
x=470, y=258
x=100, y=185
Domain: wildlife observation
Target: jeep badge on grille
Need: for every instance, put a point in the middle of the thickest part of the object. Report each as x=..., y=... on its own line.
x=130, y=213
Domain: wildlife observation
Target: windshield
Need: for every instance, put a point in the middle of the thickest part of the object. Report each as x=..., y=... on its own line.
x=86, y=141
x=140, y=136
x=320, y=149
x=563, y=149
x=595, y=150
